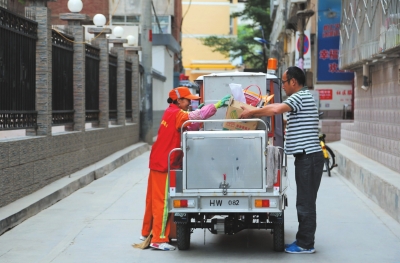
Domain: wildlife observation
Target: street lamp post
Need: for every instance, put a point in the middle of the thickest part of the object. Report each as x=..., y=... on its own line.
x=264, y=43
x=100, y=40
x=118, y=49
x=264, y=49
x=75, y=21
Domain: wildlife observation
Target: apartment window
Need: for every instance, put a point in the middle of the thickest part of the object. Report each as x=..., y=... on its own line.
x=125, y=20
x=118, y=20
x=134, y=20
x=165, y=25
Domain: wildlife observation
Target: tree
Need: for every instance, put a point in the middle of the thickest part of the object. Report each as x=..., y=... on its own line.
x=245, y=46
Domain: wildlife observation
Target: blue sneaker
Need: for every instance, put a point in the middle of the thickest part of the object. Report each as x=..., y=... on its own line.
x=291, y=244
x=295, y=249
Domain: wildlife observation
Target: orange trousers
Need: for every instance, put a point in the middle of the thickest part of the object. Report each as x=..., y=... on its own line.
x=156, y=213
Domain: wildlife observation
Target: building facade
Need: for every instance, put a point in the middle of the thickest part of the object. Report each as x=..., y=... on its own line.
x=367, y=39
x=320, y=20
x=321, y=60
x=370, y=46
x=166, y=51
x=204, y=18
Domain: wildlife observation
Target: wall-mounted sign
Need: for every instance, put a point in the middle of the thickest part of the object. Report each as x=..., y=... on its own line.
x=325, y=94
x=334, y=96
x=328, y=43
x=306, y=49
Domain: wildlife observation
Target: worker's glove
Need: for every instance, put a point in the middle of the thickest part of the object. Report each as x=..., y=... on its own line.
x=221, y=103
x=201, y=105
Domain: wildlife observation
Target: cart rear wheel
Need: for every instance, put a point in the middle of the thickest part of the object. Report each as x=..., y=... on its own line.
x=183, y=236
x=279, y=237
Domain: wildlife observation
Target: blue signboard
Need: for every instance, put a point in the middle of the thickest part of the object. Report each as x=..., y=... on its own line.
x=328, y=43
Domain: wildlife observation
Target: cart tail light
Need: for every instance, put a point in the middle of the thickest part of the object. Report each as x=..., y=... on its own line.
x=278, y=182
x=172, y=183
x=183, y=203
x=278, y=178
x=261, y=203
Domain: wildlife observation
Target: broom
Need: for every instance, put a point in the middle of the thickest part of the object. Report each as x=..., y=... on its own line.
x=144, y=244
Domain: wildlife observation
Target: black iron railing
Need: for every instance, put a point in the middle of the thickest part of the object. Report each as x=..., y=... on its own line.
x=17, y=120
x=92, y=83
x=62, y=100
x=112, y=82
x=128, y=89
x=18, y=36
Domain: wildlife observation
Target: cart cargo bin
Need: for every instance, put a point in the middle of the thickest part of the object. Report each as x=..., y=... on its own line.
x=232, y=158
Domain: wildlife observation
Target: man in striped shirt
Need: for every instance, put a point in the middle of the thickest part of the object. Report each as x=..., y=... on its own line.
x=301, y=141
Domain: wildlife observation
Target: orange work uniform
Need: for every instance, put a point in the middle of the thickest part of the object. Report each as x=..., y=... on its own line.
x=168, y=138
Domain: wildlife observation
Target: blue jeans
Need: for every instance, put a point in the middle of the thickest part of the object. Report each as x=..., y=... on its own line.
x=308, y=173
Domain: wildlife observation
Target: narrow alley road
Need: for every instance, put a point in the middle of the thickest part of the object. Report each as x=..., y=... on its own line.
x=101, y=221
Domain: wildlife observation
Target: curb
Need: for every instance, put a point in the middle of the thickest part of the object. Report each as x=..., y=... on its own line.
x=15, y=213
x=377, y=182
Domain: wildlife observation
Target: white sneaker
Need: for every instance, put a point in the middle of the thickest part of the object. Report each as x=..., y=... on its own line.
x=162, y=246
x=143, y=238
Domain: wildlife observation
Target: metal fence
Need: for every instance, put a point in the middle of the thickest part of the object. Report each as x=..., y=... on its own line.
x=369, y=30
x=17, y=71
x=112, y=82
x=18, y=41
x=62, y=79
x=128, y=89
x=92, y=83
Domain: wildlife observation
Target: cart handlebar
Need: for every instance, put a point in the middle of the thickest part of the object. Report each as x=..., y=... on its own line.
x=169, y=157
x=266, y=124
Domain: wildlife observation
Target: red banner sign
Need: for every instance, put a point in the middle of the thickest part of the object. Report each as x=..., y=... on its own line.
x=325, y=94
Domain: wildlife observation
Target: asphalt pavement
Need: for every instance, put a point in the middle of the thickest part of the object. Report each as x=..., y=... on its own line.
x=100, y=222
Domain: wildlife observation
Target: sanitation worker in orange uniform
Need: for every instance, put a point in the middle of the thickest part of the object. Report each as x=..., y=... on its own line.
x=156, y=213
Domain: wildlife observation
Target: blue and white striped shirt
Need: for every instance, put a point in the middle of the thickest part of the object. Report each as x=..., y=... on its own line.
x=302, y=123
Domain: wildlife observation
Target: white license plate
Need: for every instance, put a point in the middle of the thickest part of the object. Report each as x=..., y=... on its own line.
x=225, y=202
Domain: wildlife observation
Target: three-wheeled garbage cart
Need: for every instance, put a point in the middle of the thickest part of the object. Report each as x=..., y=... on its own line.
x=231, y=180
